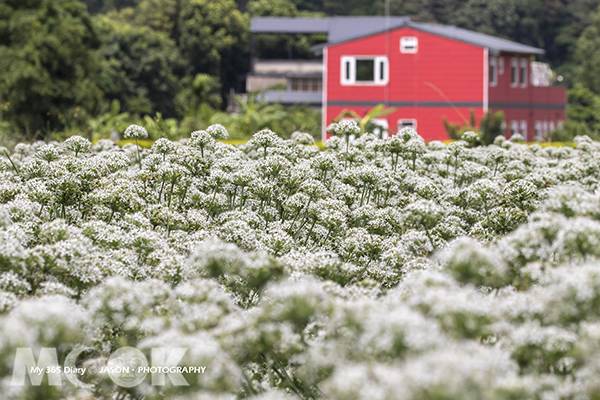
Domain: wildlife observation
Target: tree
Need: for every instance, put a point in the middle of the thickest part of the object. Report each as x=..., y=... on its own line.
x=48, y=61
x=583, y=115
x=213, y=39
x=587, y=57
x=196, y=91
x=141, y=67
x=98, y=6
x=211, y=36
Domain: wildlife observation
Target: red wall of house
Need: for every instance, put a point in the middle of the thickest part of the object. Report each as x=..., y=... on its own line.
x=529, y=103
x=447, y=74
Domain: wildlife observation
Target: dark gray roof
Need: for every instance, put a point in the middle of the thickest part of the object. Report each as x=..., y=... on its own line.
x=340, y=29
x=480, y=39
x=289, y=25
x=289, y=97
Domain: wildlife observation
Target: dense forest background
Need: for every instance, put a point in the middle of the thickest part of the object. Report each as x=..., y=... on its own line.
x=94, y=66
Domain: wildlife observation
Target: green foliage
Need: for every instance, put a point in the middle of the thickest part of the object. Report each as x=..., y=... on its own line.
x=587, y=57
x=367, y=122
x=202, y=89
x=213, y=38
x=583, y=115
x=48, y=63
x=455, y=131
x=140, y=67
x=254, y=116
x=491, y=126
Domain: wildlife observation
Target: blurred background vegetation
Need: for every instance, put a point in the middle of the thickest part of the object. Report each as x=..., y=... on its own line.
x=95, y=66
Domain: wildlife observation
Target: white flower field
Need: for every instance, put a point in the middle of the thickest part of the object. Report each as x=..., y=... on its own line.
x=373, y=269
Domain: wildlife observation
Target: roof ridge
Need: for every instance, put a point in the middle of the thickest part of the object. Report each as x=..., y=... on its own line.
x=341, y=29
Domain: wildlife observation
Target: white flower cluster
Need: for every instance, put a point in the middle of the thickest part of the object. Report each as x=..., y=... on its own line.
x=374, y=269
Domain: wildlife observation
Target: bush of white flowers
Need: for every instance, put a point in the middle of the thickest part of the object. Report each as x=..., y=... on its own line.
x=373, y=269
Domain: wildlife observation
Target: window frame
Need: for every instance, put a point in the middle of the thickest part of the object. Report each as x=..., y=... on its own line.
x=384, y=126
x=348, y=67
x=400, y=121
x=523, y=72
x=493, y=67
x=514, y=127
x=523, y=127
x=409, y=44
x=538, y=132
x=514, y=66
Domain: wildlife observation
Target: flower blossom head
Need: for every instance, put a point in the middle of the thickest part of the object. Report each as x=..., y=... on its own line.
x=217, y=131
x=135, y=132
x=346, y=127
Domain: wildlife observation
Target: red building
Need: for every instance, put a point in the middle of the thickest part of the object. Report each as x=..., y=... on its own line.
x=428, y=73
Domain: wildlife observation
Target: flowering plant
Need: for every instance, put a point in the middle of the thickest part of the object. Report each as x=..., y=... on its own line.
x=289, y=272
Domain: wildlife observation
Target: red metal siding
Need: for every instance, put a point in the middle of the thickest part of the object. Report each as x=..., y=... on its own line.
x=445, y=76
x=528, y=103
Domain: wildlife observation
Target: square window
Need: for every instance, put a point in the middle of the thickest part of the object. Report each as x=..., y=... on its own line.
x=365, y=70
x=409, y=44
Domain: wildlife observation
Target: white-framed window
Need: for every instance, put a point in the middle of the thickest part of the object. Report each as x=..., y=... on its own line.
x=514, y=72
x=381, y=127
x=539, y=136
x=493, y=70
x=409, y=44
x=364, y=70
x=523, y=127
x=523, y=72
x=545, y=128
x=501, y=65
x=551, y=126
x=406, y=123
x=514, y=127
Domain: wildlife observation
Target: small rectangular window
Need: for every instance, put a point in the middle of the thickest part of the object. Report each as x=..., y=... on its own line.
x=523, y=130
x=514, y=127
x=514, y=72
x=409, y=44
x=407, y=123
x=523, y=73
x=538, y=131
x=493, y=71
